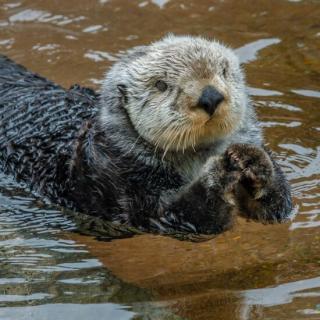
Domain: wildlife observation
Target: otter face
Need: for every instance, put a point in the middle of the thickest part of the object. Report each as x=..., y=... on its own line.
x=179, y=92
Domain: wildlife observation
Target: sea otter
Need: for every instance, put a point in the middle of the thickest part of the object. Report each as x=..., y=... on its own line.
x=171, y=144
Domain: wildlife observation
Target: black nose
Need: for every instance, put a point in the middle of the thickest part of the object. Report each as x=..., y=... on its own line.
x=210, y=99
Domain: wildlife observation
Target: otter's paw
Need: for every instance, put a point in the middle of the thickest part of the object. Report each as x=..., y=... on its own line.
x=255, y=166
x=218, y=175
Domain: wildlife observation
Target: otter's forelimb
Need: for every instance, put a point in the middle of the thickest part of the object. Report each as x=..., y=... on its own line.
x=204, y=206
x=263, y=192
x=245, y=179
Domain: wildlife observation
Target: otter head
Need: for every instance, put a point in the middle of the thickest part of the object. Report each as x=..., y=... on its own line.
x=179, y=93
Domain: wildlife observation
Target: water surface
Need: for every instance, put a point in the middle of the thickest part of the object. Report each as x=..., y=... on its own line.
x=48, y=270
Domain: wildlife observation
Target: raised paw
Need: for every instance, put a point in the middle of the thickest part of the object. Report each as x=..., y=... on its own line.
x=253, y=163
x=219, y=175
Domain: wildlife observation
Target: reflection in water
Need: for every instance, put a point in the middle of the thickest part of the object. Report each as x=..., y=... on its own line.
x=42, y=16
x=73, y=312
x=40, y=267
x=248, y=52
x=98, y=56
x=279, y=295
x=308, y=93
x=256, y=272
x=160, y=3
x=263, y=92
x=282, y=294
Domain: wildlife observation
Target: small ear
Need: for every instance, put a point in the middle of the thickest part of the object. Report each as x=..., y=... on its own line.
x=123, y=91
x=225, y=68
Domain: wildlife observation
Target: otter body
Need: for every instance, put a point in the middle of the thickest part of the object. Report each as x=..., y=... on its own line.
x=172, y=144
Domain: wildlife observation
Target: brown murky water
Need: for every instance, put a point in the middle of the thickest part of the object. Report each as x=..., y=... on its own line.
x=49, y=271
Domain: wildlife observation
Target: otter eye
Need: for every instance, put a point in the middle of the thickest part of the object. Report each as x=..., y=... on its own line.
x=224, y=72
x=161, y=85
x=225, y=69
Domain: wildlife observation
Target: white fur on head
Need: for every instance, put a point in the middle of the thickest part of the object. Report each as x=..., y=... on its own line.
x=171, y=119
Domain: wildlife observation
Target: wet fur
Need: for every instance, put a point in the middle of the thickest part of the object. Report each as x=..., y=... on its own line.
x=87, y=153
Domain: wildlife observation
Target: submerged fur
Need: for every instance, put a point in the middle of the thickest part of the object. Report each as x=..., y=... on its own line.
x=138, y=155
